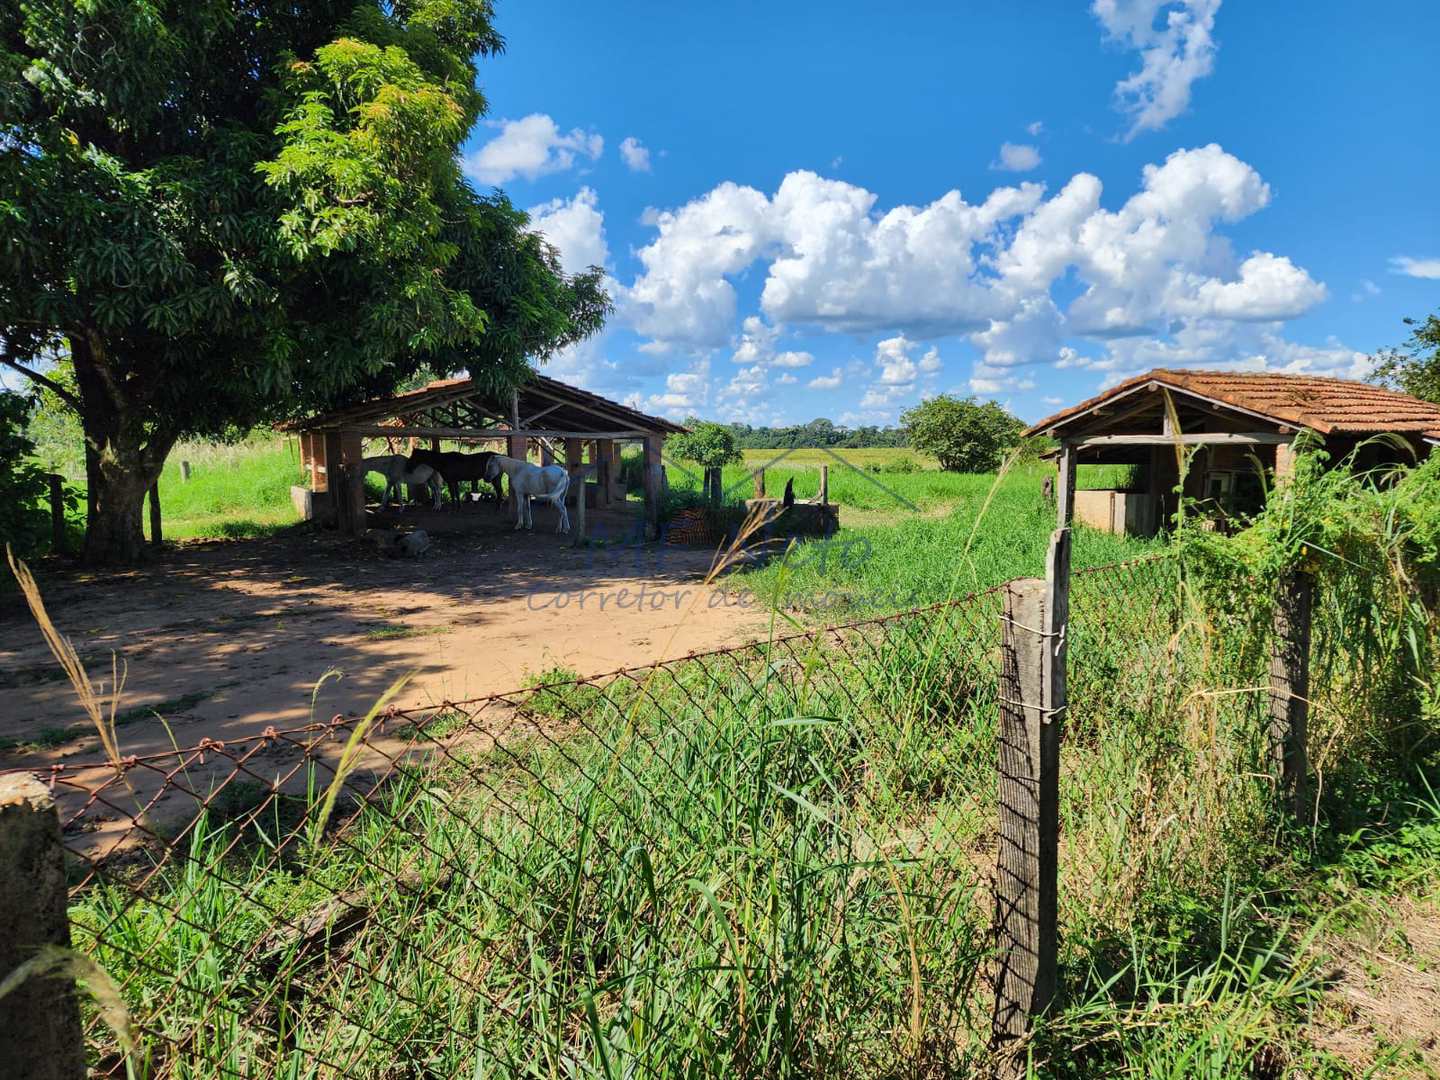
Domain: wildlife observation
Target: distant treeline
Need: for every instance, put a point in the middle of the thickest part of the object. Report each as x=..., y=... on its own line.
x=814, y=435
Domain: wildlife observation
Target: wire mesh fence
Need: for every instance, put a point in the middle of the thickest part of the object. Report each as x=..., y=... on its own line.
x=776, y=859
x=765, y=860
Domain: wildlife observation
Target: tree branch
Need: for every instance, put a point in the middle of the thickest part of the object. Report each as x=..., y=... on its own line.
x=49, y=384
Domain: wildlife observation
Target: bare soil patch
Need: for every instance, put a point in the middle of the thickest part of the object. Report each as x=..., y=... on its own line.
x=224, y=639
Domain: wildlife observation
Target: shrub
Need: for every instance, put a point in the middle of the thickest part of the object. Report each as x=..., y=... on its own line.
x=24, y=514
x=963, y=434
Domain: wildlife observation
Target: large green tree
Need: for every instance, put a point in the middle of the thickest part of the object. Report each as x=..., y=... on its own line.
x=963, y=434
x=220, y=213
x=1414, y=367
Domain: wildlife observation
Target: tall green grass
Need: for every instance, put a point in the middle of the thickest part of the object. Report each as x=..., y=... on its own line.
x=233, y=491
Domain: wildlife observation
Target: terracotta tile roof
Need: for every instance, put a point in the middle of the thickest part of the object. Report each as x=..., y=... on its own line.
x=443, y=390
x=1330, y=406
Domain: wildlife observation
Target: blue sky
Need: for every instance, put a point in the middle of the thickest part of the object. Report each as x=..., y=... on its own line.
x=838, y=209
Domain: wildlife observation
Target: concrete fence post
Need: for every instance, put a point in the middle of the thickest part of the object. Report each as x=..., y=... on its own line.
x=1290, y=690
x=1032, y=702
x=40, y=1033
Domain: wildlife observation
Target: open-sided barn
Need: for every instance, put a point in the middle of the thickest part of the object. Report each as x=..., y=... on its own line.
x=1239, y=424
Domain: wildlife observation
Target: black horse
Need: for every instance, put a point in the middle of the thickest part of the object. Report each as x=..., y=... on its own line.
x=455, y=467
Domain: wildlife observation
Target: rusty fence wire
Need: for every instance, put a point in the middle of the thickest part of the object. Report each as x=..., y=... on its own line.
x=769, y=860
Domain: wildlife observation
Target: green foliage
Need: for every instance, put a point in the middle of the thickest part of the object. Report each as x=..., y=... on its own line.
x=1414, y=367
x=709, y=445
x=24, y=509
x=965, y=435
x=816, y=434
x=232, y=214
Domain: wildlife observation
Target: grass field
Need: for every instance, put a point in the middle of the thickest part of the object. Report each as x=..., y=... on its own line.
x=233, y=491
x=910, y=538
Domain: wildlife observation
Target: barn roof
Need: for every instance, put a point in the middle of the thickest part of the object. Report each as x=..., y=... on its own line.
x=1329, y=406
x=559, y=404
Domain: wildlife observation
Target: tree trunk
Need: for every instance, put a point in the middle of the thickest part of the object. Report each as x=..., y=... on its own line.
x=123, y=456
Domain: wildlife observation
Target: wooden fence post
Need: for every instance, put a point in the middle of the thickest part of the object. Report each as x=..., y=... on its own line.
x=1290, y=689
x=1032, y=704
x=57, y=513
x=824, y=485
x=759, y=483
x=155, y=537
x=184, y=470
x=40, y=1034
x=577, y=527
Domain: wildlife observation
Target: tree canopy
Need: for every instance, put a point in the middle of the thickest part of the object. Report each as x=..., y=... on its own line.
x=708, y=444
x=1414, y=367
x=963, y=434
x=223, y=214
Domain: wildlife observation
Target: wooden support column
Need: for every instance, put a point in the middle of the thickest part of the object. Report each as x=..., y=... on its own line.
x=577, y=523
x=653, y=467
x=1290, y=690
x=604, y=469
x=1065, y=485
x=350, y=489
x=1032, y=704
x=40, y=1033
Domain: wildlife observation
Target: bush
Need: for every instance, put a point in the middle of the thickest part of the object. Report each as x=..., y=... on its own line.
x=24, y=510
x=963, y=434
x=709, y=445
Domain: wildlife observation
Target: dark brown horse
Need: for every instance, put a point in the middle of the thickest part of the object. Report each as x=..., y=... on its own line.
x=455, y=467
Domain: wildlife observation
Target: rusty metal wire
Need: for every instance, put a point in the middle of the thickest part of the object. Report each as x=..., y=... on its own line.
x=765, y=859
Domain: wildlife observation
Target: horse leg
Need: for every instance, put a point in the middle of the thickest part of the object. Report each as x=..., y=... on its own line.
x=564, y=525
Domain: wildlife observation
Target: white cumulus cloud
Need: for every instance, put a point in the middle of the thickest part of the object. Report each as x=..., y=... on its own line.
x=530, y=147
x=1016, y=157
x=576, y=227
x=635, y=154
x=1417, y=268
x=1176, y=43
x=827, y=382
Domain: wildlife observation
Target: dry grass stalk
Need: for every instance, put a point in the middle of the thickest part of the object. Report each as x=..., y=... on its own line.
x=102, y=714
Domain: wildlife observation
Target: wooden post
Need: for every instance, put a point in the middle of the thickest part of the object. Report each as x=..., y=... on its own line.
x=824, y=485
x=57, y=514
x=1290, y=689
x=1032, y=704
x=155, y=536
x=652, y=486
x=40, y=1033
x=1065, y=486
x=577, y=527
x=604, y=458
x=759, y=483
x=351, y=493
x=185, y=471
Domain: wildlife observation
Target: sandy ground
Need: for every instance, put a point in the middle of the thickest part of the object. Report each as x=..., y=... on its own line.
x=224, y=639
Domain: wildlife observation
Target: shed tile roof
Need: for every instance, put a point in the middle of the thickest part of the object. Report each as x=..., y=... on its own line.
x=1330, y=406
x=448, y=389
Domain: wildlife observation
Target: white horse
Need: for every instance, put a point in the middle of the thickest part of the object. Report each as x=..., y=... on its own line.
x=396, y=470
x=547, y=483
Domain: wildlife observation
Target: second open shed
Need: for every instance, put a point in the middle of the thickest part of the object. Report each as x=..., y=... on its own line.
x=1239, y=424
